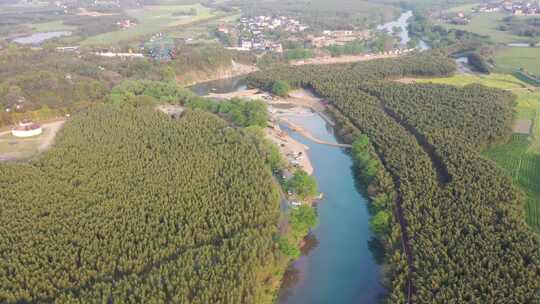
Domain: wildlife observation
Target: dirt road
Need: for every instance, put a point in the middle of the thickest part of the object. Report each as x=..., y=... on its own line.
x=50, y=131
x=343, y=59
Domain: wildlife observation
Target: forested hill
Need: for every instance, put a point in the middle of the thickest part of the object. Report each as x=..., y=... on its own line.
x=131, y=206
x=457, y=232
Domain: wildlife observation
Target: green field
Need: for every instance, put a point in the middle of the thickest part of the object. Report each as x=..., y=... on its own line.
x=523, y=165
x=20, y=148
x=153, y=19
x=520, y=156
x=52, y=26
x=512, y=58
x=486, y=24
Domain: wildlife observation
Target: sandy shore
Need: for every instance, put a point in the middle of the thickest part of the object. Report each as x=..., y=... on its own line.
x=290, y=147
x=299, y=103
x=235, y=70
x=342, y=59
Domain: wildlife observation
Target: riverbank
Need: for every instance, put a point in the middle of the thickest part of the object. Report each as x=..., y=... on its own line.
x=300, y=102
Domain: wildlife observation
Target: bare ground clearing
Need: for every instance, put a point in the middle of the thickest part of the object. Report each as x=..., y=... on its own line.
x=342, y=59
x=522, y=126
x=13, y=148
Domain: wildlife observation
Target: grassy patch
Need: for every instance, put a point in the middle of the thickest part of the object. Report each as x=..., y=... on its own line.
x=523, y=165
x=500, y=81
x=19, y=148
x=509, y=59
x=153, y=19
x=52, y=26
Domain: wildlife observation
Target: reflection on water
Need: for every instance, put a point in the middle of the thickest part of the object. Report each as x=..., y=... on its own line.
x=377, y=249
x=221, y=86
x=337, y=265
x=310, y=243
x=339, y=262
x=523, y=45
x=39, y=38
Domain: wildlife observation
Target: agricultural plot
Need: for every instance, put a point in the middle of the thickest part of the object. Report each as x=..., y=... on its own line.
x=486, y=24
x=520, y=156
x=153, y=19
x=499, y=81
x=523, y=165
x=509, y=59
x=51, y=26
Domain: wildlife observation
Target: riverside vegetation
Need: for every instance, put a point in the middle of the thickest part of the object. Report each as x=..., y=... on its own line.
x=453, y=224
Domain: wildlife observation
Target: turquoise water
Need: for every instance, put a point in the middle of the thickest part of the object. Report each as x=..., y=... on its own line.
x=341, y=268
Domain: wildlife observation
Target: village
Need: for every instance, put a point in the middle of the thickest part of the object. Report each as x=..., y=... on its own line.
x=515, y=8
x=261, y=33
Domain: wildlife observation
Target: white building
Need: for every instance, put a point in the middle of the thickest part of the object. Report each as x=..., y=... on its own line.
x=27, y=129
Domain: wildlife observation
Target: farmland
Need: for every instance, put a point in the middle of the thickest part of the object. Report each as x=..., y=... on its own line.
x=51, y=26
x=523, y=165
x=486, y=24
x=513, y=58
x=152, y=19
x=520, y=156
x=483, y=23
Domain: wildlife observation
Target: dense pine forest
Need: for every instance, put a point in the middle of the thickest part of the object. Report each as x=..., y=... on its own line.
x=451, y=221
x=131, y=206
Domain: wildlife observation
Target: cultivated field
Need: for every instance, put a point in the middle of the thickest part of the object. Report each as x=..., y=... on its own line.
x=153, y=19
x=523, y=165
x=486, y=24
x=520, y=157
x=509, y=59
x=52, y=26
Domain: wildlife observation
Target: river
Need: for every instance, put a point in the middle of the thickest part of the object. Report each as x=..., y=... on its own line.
x=402, y=23
x=340, y=265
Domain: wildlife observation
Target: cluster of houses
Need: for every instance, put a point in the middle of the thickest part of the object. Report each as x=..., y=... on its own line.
x=126, y=23
x=337, y=38
x=253, y=32
x=459, y=19
x=517, y=8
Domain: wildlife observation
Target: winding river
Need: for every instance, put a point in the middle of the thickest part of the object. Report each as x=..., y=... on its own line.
x=341, y=264
x=340, y=261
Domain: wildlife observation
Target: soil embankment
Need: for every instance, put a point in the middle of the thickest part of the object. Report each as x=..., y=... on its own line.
x=342, y=59
x=234, y=70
